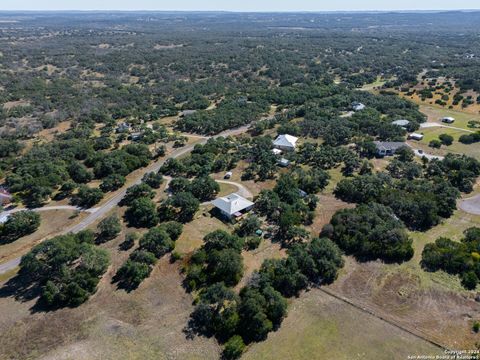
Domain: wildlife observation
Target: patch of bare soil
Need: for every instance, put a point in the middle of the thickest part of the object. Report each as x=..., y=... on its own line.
x=398, y=293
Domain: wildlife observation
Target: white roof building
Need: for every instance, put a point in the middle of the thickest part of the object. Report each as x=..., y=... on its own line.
x=232, y=205
x=285, y=142
x=358, y=106
x=415, y=136
x=401, y=123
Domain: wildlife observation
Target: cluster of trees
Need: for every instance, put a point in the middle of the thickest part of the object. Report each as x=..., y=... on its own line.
x=287, y=207
x=262, y=161
x=218, y=260
x=66, y=268
x=326, y=157
x=70, y=163
x=19, y=224
x=154, y=244
x=419, y=196
x=458, y=258
x=230, y=113
x=204, y=188
x=470, y=138
x=370, y=231
x=260, y=307
x=218, y=154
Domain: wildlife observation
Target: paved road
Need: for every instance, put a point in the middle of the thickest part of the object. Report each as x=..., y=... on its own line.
x=102, y=210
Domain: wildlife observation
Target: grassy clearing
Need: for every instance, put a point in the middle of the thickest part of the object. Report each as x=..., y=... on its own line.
x=226, y=189
x=374, y=85
x=457, y=147
x=193, y=232
x=435, y=113
x=321, y=327
x=335, y=177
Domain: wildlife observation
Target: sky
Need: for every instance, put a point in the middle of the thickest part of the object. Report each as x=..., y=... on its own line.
x=238, y=5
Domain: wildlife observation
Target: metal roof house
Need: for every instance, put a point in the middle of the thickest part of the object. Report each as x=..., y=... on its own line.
x=402, y=123
x=448, y=120
x=285, y=142
x=233, y=205
x=388, y=148
x=358, y=106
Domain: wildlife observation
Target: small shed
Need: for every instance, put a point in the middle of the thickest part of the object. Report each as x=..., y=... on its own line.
x=415, y=136
x=448, y=120
x=283, y=162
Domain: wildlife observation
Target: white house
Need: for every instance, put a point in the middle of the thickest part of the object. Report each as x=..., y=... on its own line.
x=358, y=106
x=448, y=120
x=233, y=205
x=415, y=136
x=402, y=123
x=285, y=142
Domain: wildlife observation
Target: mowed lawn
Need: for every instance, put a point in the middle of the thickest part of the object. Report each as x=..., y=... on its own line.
x=319, y=326
x=457, y=147
x=436, y=113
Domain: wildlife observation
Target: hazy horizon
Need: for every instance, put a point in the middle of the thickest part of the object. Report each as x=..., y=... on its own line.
x=239, y=6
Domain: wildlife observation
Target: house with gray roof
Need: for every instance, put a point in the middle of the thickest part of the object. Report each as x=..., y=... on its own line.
x=388, y=148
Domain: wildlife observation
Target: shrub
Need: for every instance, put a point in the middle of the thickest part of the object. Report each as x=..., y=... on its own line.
x=234, y=348
x=109, y=228
x=435, y=144
x=142, y=213
x=446, y=139
x=129, y=241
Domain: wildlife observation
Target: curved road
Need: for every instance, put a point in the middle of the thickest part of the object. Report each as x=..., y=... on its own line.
x=471, y=205
x=102, y=210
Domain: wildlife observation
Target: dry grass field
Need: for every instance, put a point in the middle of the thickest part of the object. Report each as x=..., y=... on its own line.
x=319, y=326
x=52, y=222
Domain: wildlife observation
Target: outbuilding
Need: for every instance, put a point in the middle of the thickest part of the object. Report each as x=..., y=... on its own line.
x=415, y=136
x=448, y=120
x=283, y=162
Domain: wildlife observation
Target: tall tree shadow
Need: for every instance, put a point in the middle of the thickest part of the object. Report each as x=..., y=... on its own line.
x=24, y=289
